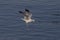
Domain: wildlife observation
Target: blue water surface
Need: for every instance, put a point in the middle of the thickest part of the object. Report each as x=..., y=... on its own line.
x=45, y=12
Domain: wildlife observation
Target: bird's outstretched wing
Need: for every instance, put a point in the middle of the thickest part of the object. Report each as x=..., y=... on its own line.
x=26, y=13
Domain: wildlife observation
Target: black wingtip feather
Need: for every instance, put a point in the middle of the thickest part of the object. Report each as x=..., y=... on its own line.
x=27, y=10
x=20, y=12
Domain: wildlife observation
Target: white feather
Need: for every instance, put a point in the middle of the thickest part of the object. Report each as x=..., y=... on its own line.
x=29, y=20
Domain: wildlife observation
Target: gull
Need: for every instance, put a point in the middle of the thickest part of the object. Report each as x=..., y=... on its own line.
x=27, y=16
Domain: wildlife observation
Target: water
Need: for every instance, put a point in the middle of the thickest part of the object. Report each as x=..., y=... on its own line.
x=45, y=12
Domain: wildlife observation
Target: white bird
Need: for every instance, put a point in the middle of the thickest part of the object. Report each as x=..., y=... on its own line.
x=27, y=16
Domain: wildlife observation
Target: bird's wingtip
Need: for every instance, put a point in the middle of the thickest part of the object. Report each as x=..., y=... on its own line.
x=27, y=10
x=20, y=11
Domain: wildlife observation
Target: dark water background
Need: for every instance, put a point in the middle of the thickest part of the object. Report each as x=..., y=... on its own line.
x=45, y=12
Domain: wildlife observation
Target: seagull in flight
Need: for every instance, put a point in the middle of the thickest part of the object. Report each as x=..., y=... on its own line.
x=27, y=16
